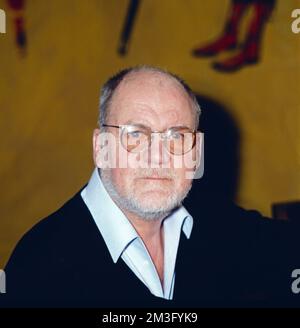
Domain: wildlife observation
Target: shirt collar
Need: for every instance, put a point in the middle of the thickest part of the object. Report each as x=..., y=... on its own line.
x=116, y=229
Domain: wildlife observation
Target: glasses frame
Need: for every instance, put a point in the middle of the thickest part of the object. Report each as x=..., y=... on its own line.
x=164, y=134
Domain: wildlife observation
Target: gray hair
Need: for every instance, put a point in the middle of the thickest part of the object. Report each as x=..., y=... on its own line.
x=112, y=83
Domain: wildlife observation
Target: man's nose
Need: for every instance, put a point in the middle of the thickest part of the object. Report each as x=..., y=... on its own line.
x=158, y=154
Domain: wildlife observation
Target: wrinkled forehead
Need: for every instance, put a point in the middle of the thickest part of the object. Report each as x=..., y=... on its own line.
x=151, y=92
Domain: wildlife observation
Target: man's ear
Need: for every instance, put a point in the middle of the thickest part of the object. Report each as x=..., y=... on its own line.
x=96, y=145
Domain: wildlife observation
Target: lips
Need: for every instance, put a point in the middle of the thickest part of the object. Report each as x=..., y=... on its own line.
x=155, y=178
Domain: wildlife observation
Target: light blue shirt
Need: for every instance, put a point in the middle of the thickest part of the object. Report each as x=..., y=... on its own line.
x=122, y=240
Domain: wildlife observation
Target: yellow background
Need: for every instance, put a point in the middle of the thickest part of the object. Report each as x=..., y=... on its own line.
x=49, y=99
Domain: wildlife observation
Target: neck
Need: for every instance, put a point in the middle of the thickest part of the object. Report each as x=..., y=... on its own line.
x=148, y=230
x=152, y=234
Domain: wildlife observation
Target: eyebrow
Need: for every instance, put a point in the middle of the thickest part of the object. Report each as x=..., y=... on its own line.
x=130, y=122
x=134, y=123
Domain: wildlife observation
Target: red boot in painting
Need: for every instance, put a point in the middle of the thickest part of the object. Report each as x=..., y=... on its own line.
x=251, y=49
x=228, y=40
x=249, y=55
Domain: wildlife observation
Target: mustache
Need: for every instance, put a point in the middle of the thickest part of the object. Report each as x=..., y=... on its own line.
x=157, y=173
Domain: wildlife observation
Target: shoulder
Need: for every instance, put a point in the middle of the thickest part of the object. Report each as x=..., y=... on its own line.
x=47, y=256
x=53, y=233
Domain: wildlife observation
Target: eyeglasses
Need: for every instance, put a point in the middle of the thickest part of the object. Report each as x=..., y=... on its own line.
x=135, y=138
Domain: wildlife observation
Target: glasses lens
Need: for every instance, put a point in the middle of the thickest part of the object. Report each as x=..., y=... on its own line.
x=180, y=141
x=134, y=138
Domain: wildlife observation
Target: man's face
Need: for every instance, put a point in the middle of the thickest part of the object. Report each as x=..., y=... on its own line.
x=158, y=102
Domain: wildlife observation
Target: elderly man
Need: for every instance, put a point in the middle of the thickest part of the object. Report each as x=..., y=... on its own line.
x=116, y=242
x=126, y=240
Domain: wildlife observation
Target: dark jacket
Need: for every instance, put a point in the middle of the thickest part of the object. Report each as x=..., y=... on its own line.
x=233, y=258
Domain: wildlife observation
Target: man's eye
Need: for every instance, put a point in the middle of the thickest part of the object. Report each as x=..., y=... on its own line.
x=176, y=135
x=135, y=134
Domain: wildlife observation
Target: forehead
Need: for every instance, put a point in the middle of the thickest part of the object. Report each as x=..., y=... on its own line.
x=151, y=96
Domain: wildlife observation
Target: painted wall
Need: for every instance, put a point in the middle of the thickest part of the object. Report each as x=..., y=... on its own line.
x=49, y=98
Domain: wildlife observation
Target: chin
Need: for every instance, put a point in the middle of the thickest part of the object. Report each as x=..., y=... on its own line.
x=156, y=202
x=160, y=189
x=154, y=195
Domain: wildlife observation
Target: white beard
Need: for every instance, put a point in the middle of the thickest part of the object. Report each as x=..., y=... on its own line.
x=130, y=202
